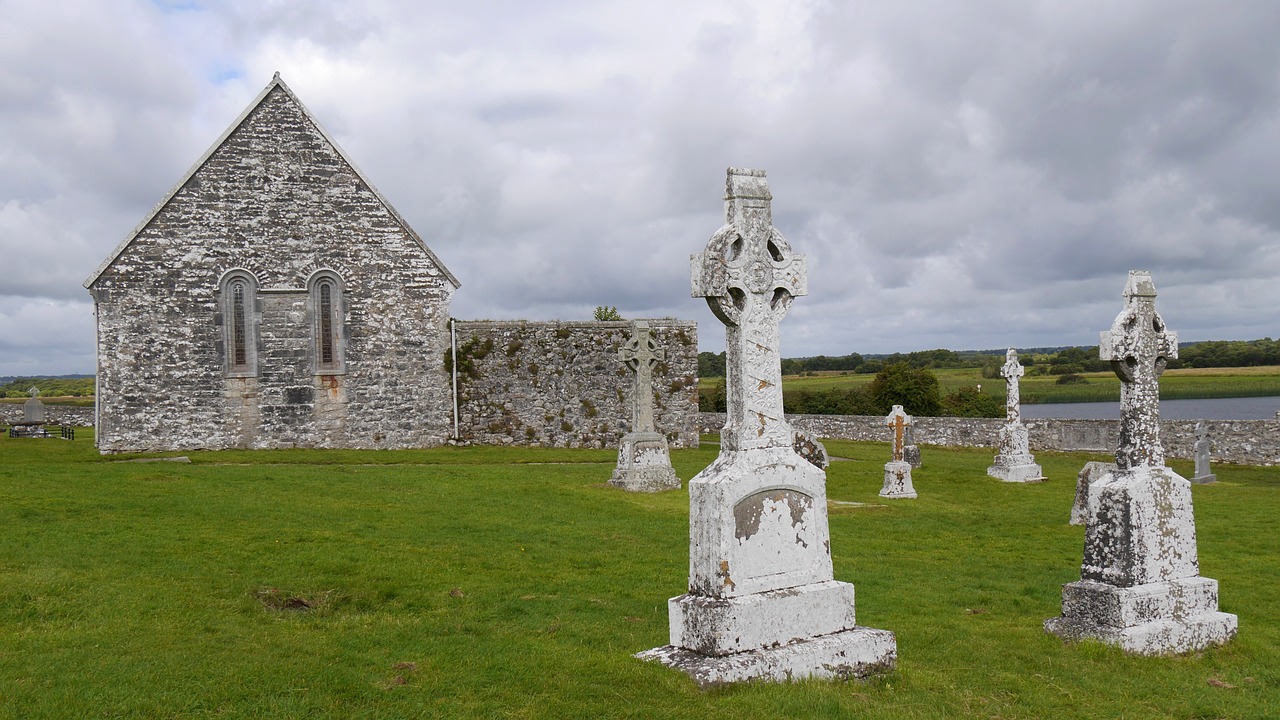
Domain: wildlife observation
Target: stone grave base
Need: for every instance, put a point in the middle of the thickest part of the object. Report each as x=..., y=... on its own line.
x=1204, y=479
x=644, y=464
x=1016, y=468
x=850, y=654
x=897, y=480
x=1155, y=619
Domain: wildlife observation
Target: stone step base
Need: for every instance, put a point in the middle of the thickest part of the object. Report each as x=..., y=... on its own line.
x=1010, y=472
x=728, y=625
x=1158, y=637
x=653, y=478
x=1152, y=619
x=851, y=654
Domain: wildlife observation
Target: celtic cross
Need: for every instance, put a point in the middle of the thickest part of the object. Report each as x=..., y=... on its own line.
x=1012, y=370
x=749, y=275
x=899, y=421
x=641, y=354
x=1139, y=346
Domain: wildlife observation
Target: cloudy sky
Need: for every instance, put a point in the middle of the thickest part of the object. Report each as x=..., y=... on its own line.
x=966, y=175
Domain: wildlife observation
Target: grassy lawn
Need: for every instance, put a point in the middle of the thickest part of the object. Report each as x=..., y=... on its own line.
x=1186, y=383
x=487, y=582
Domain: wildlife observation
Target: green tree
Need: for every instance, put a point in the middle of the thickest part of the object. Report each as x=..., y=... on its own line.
x=607, y=312
x=915, y=389
x=968, y=402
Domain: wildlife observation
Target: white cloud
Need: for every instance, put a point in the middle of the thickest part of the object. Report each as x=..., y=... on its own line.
x=968, y=175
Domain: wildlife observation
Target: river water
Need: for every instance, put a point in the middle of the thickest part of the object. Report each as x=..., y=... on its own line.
x=1250, y=408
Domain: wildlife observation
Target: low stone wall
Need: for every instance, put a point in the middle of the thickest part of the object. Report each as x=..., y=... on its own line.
x=562, y=384
x=1243, y=442
x=72, y=415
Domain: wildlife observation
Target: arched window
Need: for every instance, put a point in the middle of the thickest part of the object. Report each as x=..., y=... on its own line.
x=328, y=326
x=239, y=319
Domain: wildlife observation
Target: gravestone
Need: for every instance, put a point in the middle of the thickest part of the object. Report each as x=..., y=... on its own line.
x=1014, y=461
x=33, y=408
x=1091, y=471
x=1203, y=474
x=911, y=451
x=897, y=472
x=762, y=602
x=644, y=460
x=808, y=447
x=1140, y=586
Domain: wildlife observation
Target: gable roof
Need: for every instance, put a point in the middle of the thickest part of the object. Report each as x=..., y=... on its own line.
x=276, y=82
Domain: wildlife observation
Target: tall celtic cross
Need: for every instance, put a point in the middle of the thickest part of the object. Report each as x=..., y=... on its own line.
x=749, y=275
x=1012, y=370
x=899, y=421
x=1139, y=346
x=641, y=354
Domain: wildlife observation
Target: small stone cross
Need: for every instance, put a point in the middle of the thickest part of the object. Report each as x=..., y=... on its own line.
x=1011, y=371
x=749, y=275
x=1139, y=346
x=899, y=421
x=641, y=354
x=33, y=391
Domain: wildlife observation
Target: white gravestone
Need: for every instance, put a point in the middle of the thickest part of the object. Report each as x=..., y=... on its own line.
x=1140, y=586
x=762, y=602
x=33, y=409
x=897, y=472
x=1204, y=475
x=1014, y=461
x=644, y=460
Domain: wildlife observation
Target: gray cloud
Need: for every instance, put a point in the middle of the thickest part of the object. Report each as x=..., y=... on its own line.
x=967, y=175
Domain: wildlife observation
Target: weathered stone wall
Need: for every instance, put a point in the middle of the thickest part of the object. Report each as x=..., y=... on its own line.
x=277, y=200
x=562, y=384
x=72, y=415
x=1246, y=442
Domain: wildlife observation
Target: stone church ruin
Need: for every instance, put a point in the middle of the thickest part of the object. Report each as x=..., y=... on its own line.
x=274, y=298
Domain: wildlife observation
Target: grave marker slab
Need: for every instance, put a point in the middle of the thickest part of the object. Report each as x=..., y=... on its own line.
x=644, y=459
x=1014, y=461
x=762, y=602
x=911, y=451
x=1140, y=586
x=1204, y=475
x=897, y=472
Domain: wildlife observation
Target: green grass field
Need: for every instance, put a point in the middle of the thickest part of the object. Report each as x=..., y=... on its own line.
x=486, y=582
x=1186, y=383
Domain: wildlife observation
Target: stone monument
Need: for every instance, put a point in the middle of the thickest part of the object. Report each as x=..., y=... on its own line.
x=1091, y=471
x=897, y=472
x=33, y=408
x=644, y=460
x=1203, y=475
x=910, y=450
x=1014, y=462
x=762, y=602
x=1140, y=586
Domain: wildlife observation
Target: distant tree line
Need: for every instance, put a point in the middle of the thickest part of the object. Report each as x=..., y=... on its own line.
x=915, y=389
x=49, y=387
x=1037, y=361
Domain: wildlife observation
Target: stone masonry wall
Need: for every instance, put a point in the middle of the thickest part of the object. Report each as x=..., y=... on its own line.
x=562, y=384
x=278, y=201
x=72, y=415
x=1247, y=442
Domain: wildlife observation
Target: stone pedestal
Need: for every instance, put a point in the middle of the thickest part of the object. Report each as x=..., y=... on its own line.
x=897, y=480
x=644, y=464
x=762, y=603
x=1014, y=463
x=1140, y=584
